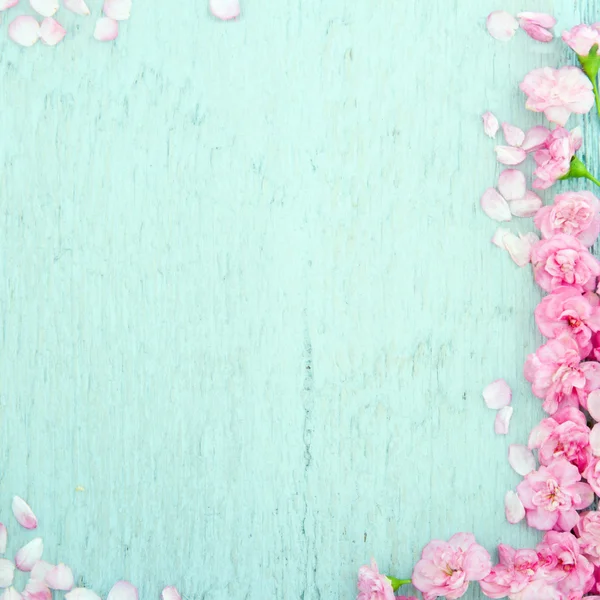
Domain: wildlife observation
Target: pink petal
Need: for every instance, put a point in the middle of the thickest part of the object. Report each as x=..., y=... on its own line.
x=29, y=554
x=595, y=439
x=40, y=570
x=531, y=238
x=22, y=510
x=512, y=184
x=513, y=507
x=507, y=155
x=541, y=19
x=46, y=8
x=501, y=25
x=10, y=594
x=535, y=138
x=490, y=124
x=170, y=593
x=118, y=10
x=51, y=32
x=513, y=135
x=497, y=394
x=539, y=34
x=79, y=7
x=7, y=572
x=81, y=594
x=502, y=420
x=6, y=4
x=224, y=9
x=3, y=538
x=36, y=590
x=24, y=30
x=60, y=578
x=558, y=114
x=527, y=206
x=519, y=248
x=498, y=236
x=106, y=29
x=123, y=590
x=593, y=404
x=495, y=206
x=521, y=459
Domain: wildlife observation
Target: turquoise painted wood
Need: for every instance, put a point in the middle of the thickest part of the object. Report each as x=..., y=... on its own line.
x=248, y=297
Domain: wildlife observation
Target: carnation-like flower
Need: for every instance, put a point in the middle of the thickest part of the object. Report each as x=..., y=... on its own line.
x=372, y=585
x=588, y=534
x=581, y=38
x=553, y=157
x=553, y=494
x=558, y=92
x=516, y=569
x=564, y=260
x=446, y=568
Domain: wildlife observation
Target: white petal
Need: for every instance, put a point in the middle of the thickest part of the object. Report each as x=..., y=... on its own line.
x=490, y=124
x=519, y=248
x=593, y=404
x=46, y=8
x=498, y=238
x=81, y=594
x=22, y=510
x=36, y=590
x=513, y=507
x=60, y=578
x=512, y=184
x=513, y=135
x=10, y=594
x=6, y=4
x=531, y=238
x=3, y=538
x=79, y=7
x=502, y=421
x=24, y=30
x=527, y=206
x=106, y=29
x=501, y=25
x=507, y=155
x=119, y=10
x=224, y=9
x=497, y=394
x=40, y=570
x=495, y=206
x=521, y=459
x=51, y=32
x=170, y=593
x=595, y=439
x=535, y=138
x=123, y=590
x=29, y=554
x=7, y=572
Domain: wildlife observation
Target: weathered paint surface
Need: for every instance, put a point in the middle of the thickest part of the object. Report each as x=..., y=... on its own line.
x=248, y=299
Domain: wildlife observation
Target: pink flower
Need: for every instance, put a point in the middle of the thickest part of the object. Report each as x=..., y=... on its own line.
x=581, y=38
x=406, y=598
x=592, y=474
x=553, y=494
x=553, y=157
x=537, y=25
x=515, y=570
x=557, y=374
x=567, y=312
x=564, y=260
x=558, y=92
x=588, y=533
x=372, y=585
x=446, y=568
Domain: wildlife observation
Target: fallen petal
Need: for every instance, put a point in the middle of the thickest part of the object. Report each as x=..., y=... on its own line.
x=495, y=206
x=7, y=572
x=170, y=593
x=36, y=590
x=521, y=459
x=119, y=10
x=60, y=577
x=24, y=31
x=46, y=8
x=10, y=594
x=501, y=25
x=106, y=29
x=29, y=554
x=123, y=590
x=20, y=508
x=541, y=19
x=6, y=4
x=539, y=34
x=40, y=570
x=81, y=594
x=79, y=7
x=3, y=538
x=51, y=32
x=490, y=124
x=507, y=155
x=527, y=206
x=593, y=404
x=497, y=394
x=512, y=184
x=535, y=138
x=513, y=507
x=224, y=9
x=498, y=236
x=502, y=421
x=531, y=238
x=519, y=248
x=513, y=135
x=595, y=439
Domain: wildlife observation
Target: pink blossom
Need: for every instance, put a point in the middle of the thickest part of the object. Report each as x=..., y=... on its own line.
x=553, y=494
x=592, y=474
x=515, y=570
x=537, y=25
x=564, y=260
x=553, y=157
x=567, y=312
x=588, y=532
x=581, y=38
x=446, y=568
x=558, y=92
x=372, y=585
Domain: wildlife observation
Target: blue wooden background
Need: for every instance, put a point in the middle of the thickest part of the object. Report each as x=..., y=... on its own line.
x=248, y=300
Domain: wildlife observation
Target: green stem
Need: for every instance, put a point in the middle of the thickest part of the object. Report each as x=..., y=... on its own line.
x=578, y=170
x=590, y=176
x=396, y=583
x=590, y=65
x=595, y=87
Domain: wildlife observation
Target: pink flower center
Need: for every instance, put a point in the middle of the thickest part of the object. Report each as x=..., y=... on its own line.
x=574, y=322
x=551, y=497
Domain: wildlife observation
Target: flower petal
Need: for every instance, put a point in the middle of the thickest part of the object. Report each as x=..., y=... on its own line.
x=512, y=184
x=106, y=30
x=36, y=590
x=501, y=25
x=3, y=538
x=123, y=590
x=22, y=510
x=502, y=420
x=81, y=594
x=513, y=135
x=535, y=138
x=79, y=7
x=521, y=459
x=539, y=34
x=60, y=577
x=490, y=124
x=7, y=572
x=46, y=8
x=29, y=554
x=119, y=10
x=10, y=594
x=498, y=236
x=527, y=206
x=497, y=394
x=541, y=19
x=513, y=507
x=40, y=570
x=170, y=593
x=51, y=32
x=495, y=206
x=24, y=30
x=595, y=439
x=593, y=404
x=224, y=9
x=6, y=4
x=519, y=248
x=558, y=114
x=507, y=155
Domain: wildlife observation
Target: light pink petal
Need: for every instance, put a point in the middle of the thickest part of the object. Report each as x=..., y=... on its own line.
x=595, y=439
x=535, y=138
x=513, y=507
x=10, y=594
x=3, y=538
x=119, y=10
x=51, y=32
x=519, y=248
x=513, y=135
x=501, y=25
x=527, y=206
x=6, y=4
x=558, y=114
x=81, y=594
x=498, y=237
x=46, y=8
x=7, y=572
x=521, y=459
x=36, y=590
x=497, y=394
x=79, y=7
x=593, y=404
x=539, y=34
x=24, y=30
x=495, y=206
x=507, y=155
x=106, y=29
x=60, y=577
x=541, y=19
x=40, y=570
x=22, y=510
x=531, y=238
x=170, y=593
x=502, y=420
x=490, y=124
x=29, y=554
x=123, y=590
x=224, y=9
x=512, y=184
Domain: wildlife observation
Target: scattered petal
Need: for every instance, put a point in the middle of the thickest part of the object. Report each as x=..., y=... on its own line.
x=3, y=538
x=224, y=9
x=40, y=570
x=513, y=507
x=539, y=34
x=507, y=155
x=20, y=508
x=512, y=184
x=10, y=594
x=170, y=593
x=502, y=421
x=7, y=572
x=531, y=238
x=535, y=138
x=123, y=590
x=593, y=404
x=24, y=31
x=541, y=19
x=519, y=248
x=527, y=206
x=51, y=32
x=106, y=30
x=6, y=4
x=81, y=594
x=501, y=25
x=36, y=590
x=118, y=10
x=497, y=394
x=497, y=238
x=490, y=124
x=29, y=554
x=60, y=577
x=595, y=439
x=521, y=459
x=79, y=7
x=495, y=206
x=513, y=135
x=46, y=8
